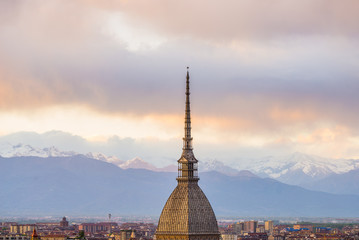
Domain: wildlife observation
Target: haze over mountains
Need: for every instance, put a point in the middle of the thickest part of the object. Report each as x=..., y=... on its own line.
x=311, y=172
x=78, y=185
x=48, y=181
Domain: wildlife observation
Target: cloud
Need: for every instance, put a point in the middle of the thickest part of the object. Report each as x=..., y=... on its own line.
x=160, y=153
x=337, y=143
x=260, y=69
x=241, y=19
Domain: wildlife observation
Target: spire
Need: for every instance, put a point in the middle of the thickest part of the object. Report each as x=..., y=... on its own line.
x=187, y=164
x=187, y=140
x=133, y=235
x=34, y=235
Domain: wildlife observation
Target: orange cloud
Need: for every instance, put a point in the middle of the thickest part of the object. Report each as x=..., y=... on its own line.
x=282, y=115
x=324, y=135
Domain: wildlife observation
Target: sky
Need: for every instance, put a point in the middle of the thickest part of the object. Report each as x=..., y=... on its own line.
x=267, y=77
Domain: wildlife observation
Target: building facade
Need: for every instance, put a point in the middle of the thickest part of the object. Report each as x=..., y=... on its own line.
x=14, y=237
x=97, y=227
x=268, y=225
x=22, y=228
x=228, y=236
x=64, y=223
x=250, y=226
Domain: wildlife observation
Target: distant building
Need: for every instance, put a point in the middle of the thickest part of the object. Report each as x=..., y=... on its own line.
x=14, y=237
x=54, y=237
x=268, y=226
x=306, y=226
x=250, y=226
x=47, y=225
x=260, y=229
x=97, y=227
x=238, y=227
x=8, y=224
x=122, y=235
x=323, y=229
x=64, y=223
x=229, y=236
x=254, y=236
x=22, y=228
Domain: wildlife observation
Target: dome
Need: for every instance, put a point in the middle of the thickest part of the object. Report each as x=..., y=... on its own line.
x=187, y=212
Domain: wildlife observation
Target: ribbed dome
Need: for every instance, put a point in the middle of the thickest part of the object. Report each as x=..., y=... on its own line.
x=187, y=212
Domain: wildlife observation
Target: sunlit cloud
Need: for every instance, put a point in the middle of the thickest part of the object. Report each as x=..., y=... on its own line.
x=275, y=76
x=133, y=37
x=84, y=122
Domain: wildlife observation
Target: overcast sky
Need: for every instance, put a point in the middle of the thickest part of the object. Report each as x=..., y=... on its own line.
x=267, y=77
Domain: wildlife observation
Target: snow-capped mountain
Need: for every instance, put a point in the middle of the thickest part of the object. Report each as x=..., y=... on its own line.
x=214, y=165
x=105, y=158
x=21, y=150
x=344, y=183
x=204, y=166
x=78, y=185
x=298, y=168
x=24, y=150
x=138, y=163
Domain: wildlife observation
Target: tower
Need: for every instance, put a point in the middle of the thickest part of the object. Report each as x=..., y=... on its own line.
x=34, y=235
x=64, y=223
x=187, y=214
x=133, y=235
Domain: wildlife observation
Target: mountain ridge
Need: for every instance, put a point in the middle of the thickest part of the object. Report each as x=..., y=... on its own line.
x=311, y=172
x=79, y=185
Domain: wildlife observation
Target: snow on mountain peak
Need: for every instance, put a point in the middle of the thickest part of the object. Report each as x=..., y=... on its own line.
x=21, y=150
x=24, y=150
x=298, y=168
x=137, y=163
x=214, y=165
x=105, y=158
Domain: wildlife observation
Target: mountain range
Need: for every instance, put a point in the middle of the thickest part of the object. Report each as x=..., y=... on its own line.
x=306, y=168
x=79, y=185
x=315, y=173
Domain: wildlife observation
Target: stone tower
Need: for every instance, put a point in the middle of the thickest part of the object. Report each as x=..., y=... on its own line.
x=187, y=214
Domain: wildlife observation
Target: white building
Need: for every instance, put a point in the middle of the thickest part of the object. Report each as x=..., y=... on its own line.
x=229, y=236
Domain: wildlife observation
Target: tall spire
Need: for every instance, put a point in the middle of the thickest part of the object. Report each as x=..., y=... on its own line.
x=187, y=140
x=187, y=164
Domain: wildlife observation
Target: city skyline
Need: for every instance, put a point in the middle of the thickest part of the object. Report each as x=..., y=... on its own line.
x=269, y=78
